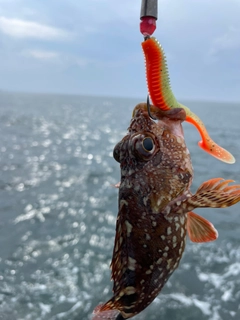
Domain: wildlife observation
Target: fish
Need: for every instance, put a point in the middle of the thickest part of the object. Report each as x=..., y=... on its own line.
x=161, y=94
x=156, y=209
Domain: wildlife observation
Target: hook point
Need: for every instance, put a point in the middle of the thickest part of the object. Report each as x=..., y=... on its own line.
x=148, y=109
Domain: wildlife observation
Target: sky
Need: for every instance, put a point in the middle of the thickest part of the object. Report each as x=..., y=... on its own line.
x=93, y=47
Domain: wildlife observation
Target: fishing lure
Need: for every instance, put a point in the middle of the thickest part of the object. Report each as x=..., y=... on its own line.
x=162, y=96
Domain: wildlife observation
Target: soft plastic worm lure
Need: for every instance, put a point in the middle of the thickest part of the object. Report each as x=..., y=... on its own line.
x=162, y=96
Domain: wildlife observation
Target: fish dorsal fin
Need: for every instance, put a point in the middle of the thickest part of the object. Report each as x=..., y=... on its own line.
x=200, y=229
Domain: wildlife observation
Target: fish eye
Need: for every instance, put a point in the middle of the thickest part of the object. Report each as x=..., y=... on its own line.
x=143, y=146
x=148, y=144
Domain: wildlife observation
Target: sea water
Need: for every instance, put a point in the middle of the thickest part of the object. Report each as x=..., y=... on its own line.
x=58, y=211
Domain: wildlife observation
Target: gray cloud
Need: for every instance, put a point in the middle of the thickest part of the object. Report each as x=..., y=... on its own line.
x=94, y=46
x=42, y=54
x=29, y=29
x=228, y=41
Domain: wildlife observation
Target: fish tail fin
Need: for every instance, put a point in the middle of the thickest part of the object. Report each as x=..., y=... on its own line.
x=105, y=312
x=215, y=193
x=207, y=144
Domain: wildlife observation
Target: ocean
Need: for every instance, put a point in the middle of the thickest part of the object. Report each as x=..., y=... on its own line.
x=58, y=211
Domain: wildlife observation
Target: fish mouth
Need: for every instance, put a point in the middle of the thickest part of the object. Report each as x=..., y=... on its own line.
x=174, y=126
x=172, y=114
x=170, y=119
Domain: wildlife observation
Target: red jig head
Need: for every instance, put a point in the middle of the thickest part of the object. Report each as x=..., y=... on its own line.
x=148, y=16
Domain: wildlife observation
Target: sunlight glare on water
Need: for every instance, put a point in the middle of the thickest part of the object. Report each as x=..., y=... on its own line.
x=59, y=207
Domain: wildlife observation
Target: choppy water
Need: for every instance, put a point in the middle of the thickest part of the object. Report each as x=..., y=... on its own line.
x=58, y=211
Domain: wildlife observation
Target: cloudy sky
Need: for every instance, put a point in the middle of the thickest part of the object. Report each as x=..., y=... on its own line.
x=94, y=47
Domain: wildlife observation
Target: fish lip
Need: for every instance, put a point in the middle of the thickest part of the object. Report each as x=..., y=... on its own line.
x=174, y=126
x=172, y=114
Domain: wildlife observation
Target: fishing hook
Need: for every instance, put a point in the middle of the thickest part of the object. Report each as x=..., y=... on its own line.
x=148, y=109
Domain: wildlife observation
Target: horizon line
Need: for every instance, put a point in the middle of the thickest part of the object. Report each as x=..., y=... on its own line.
x=94, y=95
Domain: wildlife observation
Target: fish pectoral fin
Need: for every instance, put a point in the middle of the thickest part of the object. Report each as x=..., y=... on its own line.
x=215, y=193
x=200, y=229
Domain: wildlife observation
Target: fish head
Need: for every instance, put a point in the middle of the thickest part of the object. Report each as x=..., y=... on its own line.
x=155, y=162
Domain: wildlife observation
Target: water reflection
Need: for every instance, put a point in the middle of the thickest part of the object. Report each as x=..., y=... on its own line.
x=58, y=212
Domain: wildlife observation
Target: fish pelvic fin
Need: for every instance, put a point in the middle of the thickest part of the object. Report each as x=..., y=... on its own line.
x=207, y=144
x=200, y=229
x=105, y=312
x=157, y=75
x=215, y=193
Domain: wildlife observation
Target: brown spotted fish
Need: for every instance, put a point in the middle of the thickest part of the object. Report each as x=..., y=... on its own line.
x=155, y=210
